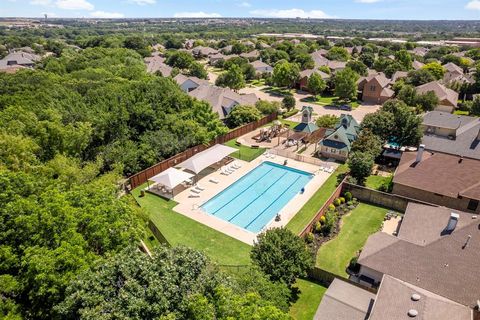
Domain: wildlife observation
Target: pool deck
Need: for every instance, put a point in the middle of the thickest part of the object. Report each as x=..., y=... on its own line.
x=190, y=206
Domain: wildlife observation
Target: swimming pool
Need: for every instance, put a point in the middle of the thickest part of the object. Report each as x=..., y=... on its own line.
x=255, y=199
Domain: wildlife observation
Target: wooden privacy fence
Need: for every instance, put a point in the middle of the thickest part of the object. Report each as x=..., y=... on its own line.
x=142, y=176
x=325, y=278
x=323, y=209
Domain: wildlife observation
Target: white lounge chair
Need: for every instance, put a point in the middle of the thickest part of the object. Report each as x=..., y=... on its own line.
x=199, y=187
x=195, y=190
x=236, y=165
x=194, y=195
x=213, y=180
x=230, y=169
x=224, y=171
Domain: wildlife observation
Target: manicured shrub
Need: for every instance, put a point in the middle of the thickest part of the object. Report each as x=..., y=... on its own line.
x=348, y=196
x=350, y=203
x=330, y=219
x=331, y=207
x=309, y=237
x=322, y=220
x=336, y=202
x=317, y=227
x=353, y=265
x=342, y=200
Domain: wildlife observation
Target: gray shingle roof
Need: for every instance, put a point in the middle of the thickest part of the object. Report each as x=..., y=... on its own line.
x=394, y=300
x=344, y=301
x=443, y=265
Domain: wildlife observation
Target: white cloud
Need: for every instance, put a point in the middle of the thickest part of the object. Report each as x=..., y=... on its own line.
x=74, y=5
x=198, y=14
x=41, y=2
x=143, y=2
x=290, y=13
x=244, y=4
x=108, y=15
x=473, y=5
x=367, y=1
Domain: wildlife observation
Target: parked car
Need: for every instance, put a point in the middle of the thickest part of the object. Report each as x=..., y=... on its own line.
x=345, y=107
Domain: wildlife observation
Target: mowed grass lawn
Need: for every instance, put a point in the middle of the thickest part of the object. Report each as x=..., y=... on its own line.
x=357, y=226
x=180, y=230
x=244, y=152
x=311, y=294
x=308, y=211
x=375, y=182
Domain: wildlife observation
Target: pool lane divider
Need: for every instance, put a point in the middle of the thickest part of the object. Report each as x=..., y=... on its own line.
x=271, y=203
x=261, y=194
x=239, y=194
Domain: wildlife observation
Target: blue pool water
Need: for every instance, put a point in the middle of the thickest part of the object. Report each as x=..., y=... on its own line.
x=255, y=199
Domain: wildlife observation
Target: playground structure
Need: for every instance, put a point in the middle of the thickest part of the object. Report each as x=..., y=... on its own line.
x=267, y=134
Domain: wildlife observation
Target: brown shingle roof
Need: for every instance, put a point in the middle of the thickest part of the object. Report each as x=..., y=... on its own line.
x=443, y=265
x=439, y=173
x=440, y=91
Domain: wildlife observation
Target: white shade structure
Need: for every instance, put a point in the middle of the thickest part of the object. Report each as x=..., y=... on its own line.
x=171, y=177
x=206, y=158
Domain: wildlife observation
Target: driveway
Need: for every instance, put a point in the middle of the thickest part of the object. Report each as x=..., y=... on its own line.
x=359, y=113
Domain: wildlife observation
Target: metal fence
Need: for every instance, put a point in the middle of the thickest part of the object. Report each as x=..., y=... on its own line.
x=142, y=176
x=298, y=157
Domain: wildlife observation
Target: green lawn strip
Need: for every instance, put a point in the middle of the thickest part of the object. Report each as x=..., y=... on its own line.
x=375, y=182
x=181, y=230
x=244, y=152
x=311, y=294
x=357, y=226
x=308, y=211
x=461, y=112
x=291, y=124
x=329, y=100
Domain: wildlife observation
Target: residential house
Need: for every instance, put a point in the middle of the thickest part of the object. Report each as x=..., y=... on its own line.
x=216, y=58
x=336, y=66
x=18, y=60
x=417, y=65
x=222, y=100
x=375, y=89
x=452, y=134
x=227, y=49
x=202, y=52
x=454, y=73
x=252, y=55
x=307, y=124
x=419, y=51
x=302, y=83
x=189, y=44
x=395, y=299
x=399, y=75
x=439, y=178
x=189, y=83
x=157, y=64
x=338, y=141
x=261, y=67
x=435, y=254
x=447, y=97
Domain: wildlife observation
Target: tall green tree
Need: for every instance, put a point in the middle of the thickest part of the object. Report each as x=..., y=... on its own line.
x=316, y=85
x=285, y=74
x=346, y=84
x=282, y=255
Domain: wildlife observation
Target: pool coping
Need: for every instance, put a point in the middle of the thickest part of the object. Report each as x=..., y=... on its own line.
x=191, y=207
x=272, y=164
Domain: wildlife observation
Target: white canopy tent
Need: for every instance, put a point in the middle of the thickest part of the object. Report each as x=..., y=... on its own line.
x=171, y=177
x=206, y=158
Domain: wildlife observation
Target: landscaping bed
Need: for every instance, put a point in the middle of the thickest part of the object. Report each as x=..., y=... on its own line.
x=330, y=100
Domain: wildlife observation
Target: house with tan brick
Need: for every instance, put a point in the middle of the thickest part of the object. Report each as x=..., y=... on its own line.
x=375, y=89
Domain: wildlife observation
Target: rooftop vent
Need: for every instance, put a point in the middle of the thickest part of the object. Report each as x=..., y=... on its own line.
x=421, y=148
x=452, y=222
x=415, y=297
x=412, y=313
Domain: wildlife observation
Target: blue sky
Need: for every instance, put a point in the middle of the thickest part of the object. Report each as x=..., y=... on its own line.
x=348, y=9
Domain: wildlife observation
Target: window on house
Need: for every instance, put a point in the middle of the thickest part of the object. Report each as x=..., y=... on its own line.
x=332, y=150
x=372, y=87
x=472, y=205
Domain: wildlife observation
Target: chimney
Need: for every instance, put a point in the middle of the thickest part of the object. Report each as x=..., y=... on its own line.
x=478, y=135
x=421, y=148
x=452, y=222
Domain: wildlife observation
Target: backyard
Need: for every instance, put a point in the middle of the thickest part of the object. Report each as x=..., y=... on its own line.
x=180, y=230
x=308, y=211
x=334, y=256
x=378, y=182
x=311, y=294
